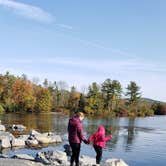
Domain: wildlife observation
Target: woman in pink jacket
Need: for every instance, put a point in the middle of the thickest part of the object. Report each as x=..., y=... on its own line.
x=99, y=140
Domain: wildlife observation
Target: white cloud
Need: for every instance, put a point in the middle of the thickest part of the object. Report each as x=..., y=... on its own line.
x=107, y=65
x=65, y=26
x=28, y=11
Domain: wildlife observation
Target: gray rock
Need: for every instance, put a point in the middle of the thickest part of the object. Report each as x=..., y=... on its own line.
x=46, y=138
x=34, y=132
x=18, y=142
x=18, y=162
x=5, y=142
x=23, y=156
x=56, y=139
x=40, y=157
x=87, y=161
x=31, y=142
x=24, y=137
x=3, y=156
x=2, y=128
x=18, y=127
x=5, y=139
x=59, y=156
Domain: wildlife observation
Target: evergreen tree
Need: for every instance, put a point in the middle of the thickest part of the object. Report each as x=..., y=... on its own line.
x=112, y=91
x=133, y=91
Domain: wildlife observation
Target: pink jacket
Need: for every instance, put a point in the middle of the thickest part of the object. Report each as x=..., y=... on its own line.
x=99, y=137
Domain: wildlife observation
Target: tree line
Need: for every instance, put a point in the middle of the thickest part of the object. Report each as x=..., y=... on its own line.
x=18, y=94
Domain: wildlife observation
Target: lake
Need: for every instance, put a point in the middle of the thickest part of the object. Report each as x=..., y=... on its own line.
x=138, y=141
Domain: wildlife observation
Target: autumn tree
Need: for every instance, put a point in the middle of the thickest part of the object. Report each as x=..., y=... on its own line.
x=6, y=83
x=23, y=95
x=43, y=103
x=74, y=99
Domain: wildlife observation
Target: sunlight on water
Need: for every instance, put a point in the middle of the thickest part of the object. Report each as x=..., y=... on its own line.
x=139, y=141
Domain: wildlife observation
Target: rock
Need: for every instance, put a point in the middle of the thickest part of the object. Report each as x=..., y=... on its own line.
x=59, y=156
x=24, y=137
x=47, y=134
x=31, y=142
x=23, y=156
x=18, y=127
x=3, y=156
x=42, y=139
x=5, y=142
x=115, y=162
x=18, y=142
x=18, y=162
x=46, y=138
x=55, y=139
x=2, y=128
x=40, y=157
x=34, y=132
x=54, y=157
x=87, y=161
x=5, y=139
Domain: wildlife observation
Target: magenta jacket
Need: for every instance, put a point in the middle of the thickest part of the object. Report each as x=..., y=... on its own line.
x=99, y=137
x=75, y=130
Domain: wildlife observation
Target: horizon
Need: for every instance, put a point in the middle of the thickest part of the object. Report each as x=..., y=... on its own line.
x=86, y=41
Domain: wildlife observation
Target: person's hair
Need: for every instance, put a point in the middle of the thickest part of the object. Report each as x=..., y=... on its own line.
x=80, y=114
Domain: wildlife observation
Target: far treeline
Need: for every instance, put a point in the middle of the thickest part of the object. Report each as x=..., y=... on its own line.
x=18, y=94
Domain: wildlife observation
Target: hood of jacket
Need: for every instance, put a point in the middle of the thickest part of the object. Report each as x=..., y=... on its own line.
x=74, y=121
x=101, y=130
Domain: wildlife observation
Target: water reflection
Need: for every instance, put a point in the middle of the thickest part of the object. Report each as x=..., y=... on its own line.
x=40, y=122
x=129, y=135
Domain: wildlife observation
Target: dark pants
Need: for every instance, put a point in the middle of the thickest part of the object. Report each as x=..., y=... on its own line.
x=75, y=153
x=98, y=150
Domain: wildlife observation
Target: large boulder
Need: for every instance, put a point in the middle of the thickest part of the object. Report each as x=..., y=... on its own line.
x=5, y=142
x=42, y=139
x=53, y=158
x=2, y=128
x=46, y=138
x=18, y=142
x=59, y=156
x=6, y=139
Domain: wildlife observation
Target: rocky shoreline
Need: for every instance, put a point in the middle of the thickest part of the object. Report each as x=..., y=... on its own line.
x=53, y=158
x=35, y=139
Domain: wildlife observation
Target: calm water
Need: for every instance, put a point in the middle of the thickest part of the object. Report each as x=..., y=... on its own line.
x=139, y=141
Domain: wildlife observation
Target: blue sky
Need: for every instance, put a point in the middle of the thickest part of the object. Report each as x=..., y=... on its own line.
x=82, y=41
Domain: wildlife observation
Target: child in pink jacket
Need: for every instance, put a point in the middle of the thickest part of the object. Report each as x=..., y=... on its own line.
x=99, y=140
